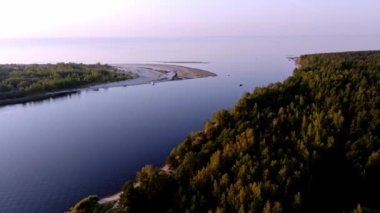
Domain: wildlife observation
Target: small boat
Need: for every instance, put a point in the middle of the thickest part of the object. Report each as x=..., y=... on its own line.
x=152, y=82
x=240, y=85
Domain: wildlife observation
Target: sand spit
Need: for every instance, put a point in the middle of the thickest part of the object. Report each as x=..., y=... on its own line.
x=154, y=73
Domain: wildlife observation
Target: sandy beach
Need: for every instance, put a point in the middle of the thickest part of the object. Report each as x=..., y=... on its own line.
x=110, y=199
x=154, y=73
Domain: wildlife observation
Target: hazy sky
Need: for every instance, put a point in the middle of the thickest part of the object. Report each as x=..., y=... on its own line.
x=161, y=18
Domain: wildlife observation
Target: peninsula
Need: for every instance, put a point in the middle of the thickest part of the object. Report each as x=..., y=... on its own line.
x=20, y=83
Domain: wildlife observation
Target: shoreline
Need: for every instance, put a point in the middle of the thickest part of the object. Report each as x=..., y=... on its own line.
x=143, y=74
x=114, y=198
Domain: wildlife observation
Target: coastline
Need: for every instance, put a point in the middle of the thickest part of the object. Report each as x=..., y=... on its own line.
x=143, y=74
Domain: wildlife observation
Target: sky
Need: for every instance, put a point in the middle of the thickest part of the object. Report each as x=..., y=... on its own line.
x=187, y=18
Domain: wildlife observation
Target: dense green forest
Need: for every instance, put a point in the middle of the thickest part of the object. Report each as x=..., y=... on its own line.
x=17, y=81
x=308, y=144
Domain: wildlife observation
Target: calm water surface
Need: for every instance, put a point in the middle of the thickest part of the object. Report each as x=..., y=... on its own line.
x=54, y=152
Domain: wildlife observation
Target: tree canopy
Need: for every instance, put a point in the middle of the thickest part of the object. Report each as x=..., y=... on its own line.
x=17, y=81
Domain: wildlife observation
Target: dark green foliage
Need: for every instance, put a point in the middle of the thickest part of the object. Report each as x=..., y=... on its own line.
x=87, y=204
x=152, y=191
x=309, y=144
x=18, y=81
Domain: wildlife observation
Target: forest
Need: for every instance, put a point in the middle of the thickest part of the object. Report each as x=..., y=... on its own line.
x=308, y=144
x=18, y=81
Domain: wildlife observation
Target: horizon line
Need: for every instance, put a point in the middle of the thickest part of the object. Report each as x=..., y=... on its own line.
x=180, y=37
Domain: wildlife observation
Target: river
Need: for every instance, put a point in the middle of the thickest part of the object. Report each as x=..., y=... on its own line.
x=54, y=152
